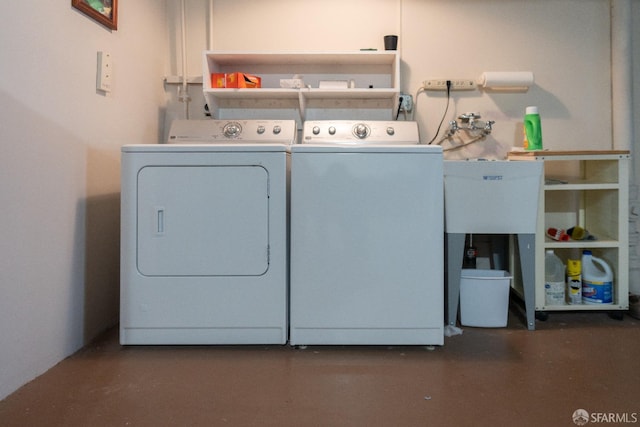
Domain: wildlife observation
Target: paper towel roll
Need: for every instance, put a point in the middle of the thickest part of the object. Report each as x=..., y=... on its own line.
x=506, y=80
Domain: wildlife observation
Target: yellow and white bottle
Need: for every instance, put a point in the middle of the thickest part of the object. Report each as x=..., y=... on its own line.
x=574, y=281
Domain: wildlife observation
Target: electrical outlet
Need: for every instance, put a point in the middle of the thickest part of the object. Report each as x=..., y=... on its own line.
x=456, y=84
x=407, y=102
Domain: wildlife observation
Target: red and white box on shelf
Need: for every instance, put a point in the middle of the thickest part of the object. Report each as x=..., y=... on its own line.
x=235, y=81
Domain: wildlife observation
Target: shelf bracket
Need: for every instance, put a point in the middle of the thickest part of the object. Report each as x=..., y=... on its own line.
x=302, y=101
x=177, y=80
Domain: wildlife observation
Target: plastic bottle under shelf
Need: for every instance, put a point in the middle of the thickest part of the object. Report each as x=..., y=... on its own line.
x=574, y=281
x=554, y=283
x=597, y=280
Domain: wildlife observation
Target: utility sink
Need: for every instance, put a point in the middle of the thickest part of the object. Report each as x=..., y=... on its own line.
x=491, y=196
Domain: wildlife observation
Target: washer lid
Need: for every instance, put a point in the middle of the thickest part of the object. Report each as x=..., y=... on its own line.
x=362, y=148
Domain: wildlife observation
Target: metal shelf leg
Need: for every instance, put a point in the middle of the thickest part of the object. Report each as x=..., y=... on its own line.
x=455, y=254
x=527, y=246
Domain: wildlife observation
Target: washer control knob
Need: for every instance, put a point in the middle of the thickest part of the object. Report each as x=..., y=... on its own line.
x=261, y=130
x=332, y=130
x=316, y=130
x=232, y=130
x=391, y=131
x=361, y=130
x=277, y=129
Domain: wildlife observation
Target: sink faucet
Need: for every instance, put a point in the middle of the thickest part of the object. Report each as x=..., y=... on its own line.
x=469, y=122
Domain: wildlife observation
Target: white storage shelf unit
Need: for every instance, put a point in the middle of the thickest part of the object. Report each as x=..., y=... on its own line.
x=375, y=76
x=589, y=189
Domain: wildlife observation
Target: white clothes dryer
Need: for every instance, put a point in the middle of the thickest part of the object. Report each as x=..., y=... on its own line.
x=366, y=236
x=204, y=235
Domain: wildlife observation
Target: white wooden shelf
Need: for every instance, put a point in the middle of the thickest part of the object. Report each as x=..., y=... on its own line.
x=374, y=77
x=589, y=189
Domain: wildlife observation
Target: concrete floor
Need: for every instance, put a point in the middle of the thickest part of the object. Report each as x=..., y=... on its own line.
x=484, y=377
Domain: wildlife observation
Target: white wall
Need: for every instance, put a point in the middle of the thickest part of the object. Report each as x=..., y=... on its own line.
x=59, y=171
x=566, y=43
x=273, y=25
x=635, y=67
x=60, y=140
x=634, y=225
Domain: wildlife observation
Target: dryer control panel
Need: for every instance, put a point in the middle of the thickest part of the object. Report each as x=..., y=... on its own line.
x=232, y=132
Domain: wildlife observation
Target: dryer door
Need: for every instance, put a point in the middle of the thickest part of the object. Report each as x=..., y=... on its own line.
x=203, y=220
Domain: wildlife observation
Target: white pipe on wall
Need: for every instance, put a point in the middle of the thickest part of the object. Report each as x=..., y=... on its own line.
x=210, y=41
x=183, y=34
x=401, y=36
x=621, y=78
x=184, y=96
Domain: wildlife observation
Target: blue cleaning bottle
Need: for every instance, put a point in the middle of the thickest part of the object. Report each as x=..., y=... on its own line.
x=597, y=280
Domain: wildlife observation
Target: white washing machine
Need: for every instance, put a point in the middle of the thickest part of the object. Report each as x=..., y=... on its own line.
x=204, y=235
x=366, y=236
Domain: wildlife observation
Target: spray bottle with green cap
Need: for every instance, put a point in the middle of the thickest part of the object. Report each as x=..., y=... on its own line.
x=532, y=129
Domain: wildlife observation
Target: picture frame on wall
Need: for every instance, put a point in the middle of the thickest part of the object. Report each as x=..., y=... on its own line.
x=103, y=11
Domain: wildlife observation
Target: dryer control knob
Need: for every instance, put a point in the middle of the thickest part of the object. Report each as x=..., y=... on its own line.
x=361, y=130
x=277, y=130
x=316, y=130
x=261, y=130
x=332, y=130
x=391, y=131
x=232, y=130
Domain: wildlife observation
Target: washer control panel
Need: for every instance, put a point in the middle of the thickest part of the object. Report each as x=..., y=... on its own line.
x=360, y=132
x=232, y=131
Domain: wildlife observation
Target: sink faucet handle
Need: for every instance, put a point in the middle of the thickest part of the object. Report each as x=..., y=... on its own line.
x=468, y=116
x=487, y=127
x=453, y=127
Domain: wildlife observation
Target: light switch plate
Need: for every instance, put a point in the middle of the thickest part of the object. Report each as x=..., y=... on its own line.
x=105, y=72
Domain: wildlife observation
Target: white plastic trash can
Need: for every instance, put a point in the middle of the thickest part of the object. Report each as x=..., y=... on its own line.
x=484, y=298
